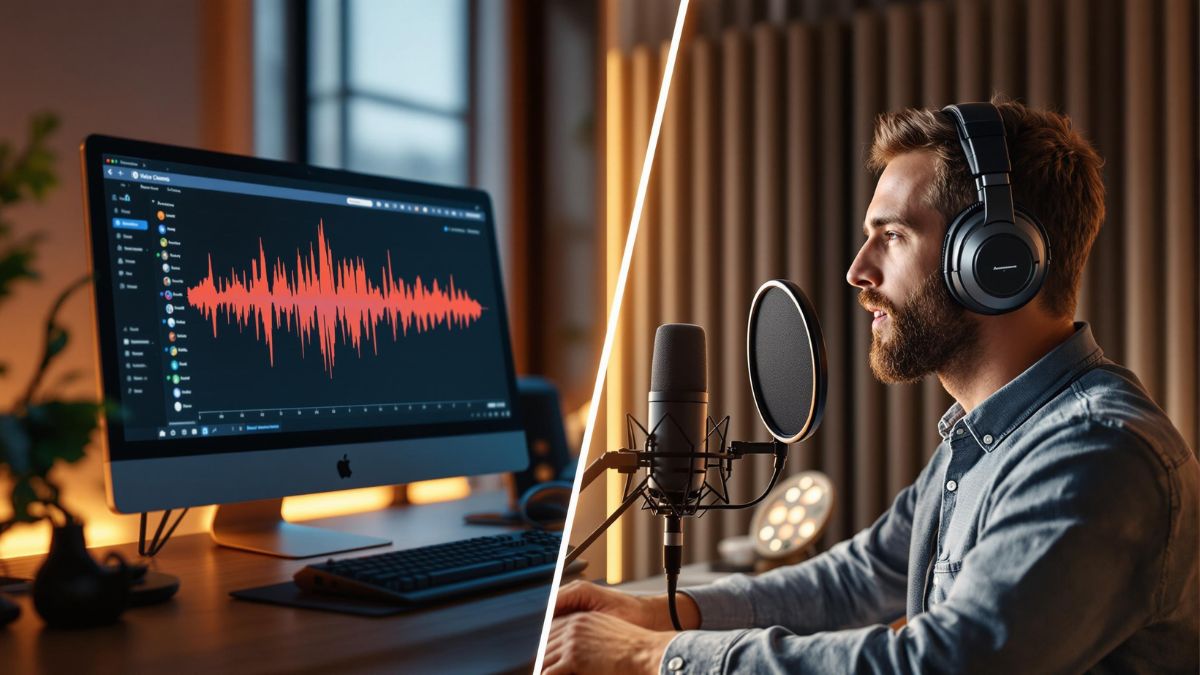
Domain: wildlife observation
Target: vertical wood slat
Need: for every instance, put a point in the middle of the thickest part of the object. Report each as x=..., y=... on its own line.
x=970, y=52
x=674, y=157
x=1141, y=217
x=737, y=245
x=706, y=243
x=1107, y=259
x=1077, y=102
x=833, y=305
x=643, y=295
x=769, y=249
x=868, y=479
x=765, y=218
x=1044, y=37
x=1182, y=310
x=1007, y=52
x=800, y=183
x=937, y=73
x=903, y=412
x=937, y=70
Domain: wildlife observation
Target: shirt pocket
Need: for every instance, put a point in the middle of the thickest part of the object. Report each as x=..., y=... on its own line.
x=944, y=573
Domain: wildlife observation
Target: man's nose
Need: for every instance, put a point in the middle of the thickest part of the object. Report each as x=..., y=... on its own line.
x=863, y=273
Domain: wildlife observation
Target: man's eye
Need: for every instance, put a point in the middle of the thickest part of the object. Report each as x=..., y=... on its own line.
x=891, y=235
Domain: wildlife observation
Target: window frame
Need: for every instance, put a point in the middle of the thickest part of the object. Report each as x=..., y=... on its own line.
x=344, y=93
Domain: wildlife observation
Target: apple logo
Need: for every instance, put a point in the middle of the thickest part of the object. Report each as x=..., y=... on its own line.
x=344, y=467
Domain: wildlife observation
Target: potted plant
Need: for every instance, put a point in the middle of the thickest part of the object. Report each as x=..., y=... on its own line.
x=41, y=431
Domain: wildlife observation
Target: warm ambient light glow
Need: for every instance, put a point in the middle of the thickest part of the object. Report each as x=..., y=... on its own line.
x=614, y=165
x=35, y=539
x=327, y=504
x=442, y=490
x=107, y=529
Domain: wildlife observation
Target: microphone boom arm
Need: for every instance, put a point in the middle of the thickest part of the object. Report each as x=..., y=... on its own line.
x=629, y=500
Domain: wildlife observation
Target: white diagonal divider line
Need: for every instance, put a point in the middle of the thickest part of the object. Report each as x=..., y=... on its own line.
x=614, y=313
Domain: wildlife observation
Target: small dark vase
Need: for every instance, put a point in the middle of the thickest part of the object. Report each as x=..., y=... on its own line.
x=72, y=590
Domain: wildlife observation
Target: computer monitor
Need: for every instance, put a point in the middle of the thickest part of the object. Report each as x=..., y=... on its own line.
x=271, y=329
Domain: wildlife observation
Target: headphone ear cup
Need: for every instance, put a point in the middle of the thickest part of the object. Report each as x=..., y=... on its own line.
x=959, y=226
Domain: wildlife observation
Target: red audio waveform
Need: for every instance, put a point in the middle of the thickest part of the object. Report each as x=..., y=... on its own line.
x=332, y=297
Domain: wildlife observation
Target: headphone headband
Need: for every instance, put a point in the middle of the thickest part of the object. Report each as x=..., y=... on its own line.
x=994, y=257
x=981, y=133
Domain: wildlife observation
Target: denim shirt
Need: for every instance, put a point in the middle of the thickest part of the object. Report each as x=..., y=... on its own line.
x=1053, y=530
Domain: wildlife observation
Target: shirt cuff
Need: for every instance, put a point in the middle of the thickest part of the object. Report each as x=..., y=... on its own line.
x=698, y=652
x=724, y=604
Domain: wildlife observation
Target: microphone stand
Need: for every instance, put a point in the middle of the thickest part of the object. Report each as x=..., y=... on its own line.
x=628, y=462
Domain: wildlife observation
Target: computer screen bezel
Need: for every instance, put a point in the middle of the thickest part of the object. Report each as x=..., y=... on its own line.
x=118, y=449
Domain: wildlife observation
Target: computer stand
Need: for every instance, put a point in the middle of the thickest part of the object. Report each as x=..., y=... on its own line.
x=259, y=527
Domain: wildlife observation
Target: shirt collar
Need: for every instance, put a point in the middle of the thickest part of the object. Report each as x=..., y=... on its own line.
x=1002, y=412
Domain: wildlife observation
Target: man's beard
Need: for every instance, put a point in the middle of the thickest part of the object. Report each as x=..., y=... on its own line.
x=928, y=333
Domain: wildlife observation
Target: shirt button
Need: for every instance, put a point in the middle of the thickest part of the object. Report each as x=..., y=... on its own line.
x=675, y=664
x=960, y=431
x=987, y=439
x=951, y=485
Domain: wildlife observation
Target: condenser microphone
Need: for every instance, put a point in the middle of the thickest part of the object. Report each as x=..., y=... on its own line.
x=678, y=411
x=786, y=363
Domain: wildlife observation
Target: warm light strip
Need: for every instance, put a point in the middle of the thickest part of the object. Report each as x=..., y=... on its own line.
x=614, y=314
x=340, y=503
x=438, y=490
x=615, y=168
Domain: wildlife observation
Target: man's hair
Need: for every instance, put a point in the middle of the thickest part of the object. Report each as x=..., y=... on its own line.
x=1055, y=176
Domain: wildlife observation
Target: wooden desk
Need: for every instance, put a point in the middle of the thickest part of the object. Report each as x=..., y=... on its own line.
x=203, y=629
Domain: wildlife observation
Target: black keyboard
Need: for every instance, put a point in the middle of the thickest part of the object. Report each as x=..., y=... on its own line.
x=432, y=573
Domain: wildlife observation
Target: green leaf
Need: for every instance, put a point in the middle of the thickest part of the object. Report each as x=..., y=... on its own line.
x=60, y=430
x=42, y=125
x=16, y=263
x=29, y=173
x=14, y=444
x=23, y=497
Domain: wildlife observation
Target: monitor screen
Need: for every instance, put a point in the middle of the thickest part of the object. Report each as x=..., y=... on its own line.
x=271, y=305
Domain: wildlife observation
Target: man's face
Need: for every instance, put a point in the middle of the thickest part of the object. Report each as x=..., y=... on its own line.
x=917, y=328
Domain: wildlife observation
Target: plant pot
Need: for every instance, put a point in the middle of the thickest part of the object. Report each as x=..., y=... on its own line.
x=71, y=590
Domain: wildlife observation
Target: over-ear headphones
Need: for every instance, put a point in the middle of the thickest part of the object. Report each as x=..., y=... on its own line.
x=995, y=254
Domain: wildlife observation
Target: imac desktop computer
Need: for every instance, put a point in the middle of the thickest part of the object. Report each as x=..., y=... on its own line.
x=268, y=329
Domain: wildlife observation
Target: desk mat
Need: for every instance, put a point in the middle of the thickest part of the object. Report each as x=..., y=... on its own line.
x=289, y=594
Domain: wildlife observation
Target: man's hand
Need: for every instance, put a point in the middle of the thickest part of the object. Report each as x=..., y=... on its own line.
x=646, y=612
x=594, y=642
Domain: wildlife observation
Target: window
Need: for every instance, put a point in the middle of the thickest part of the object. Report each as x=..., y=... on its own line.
x=388, y=87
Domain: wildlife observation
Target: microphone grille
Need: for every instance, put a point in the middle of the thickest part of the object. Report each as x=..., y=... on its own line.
x=680, y=361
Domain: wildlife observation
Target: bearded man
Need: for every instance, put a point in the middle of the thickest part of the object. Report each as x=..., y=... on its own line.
x=1054, y=529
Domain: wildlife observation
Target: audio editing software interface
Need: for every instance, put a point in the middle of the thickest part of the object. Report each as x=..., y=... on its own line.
x=246, y=303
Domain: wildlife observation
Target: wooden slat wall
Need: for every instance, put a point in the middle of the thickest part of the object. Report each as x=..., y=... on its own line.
x=643, y=300
x=704, y=233
x=737, y=237
x=761, y=175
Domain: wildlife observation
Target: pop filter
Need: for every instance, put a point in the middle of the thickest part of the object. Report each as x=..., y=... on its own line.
x=786, y=356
